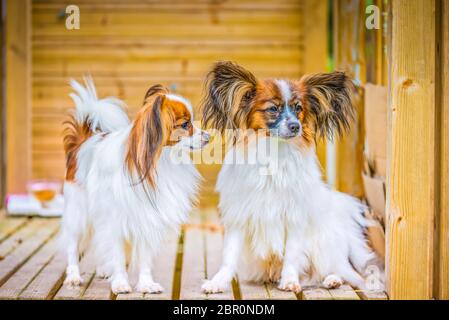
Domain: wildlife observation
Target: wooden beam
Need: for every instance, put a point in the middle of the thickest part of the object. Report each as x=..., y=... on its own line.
x=315, y=56
x=380, y=44
x=314, y=24
x=349, y=36
x=443, y=267
x=18, y=97
x=411, y=174
x=2, y=108
x=349, y=156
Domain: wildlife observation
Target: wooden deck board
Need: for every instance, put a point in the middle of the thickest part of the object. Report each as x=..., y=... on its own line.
x=372, y=295
x=253, y=291
x=17, y=238
x=164, y=268
x=32, y=268
x=87, y=269
x=276, y=294
x=345, y=292
x=48, y=281
x=316, y=294
x=132, y=296
x=26, y=248
x=193, y=265
x=214, y=245
x=19, y=280
x=9, y=225
x=99, y=289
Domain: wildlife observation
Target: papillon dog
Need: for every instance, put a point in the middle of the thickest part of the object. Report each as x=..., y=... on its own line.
x=127, y=183
x=288, y=226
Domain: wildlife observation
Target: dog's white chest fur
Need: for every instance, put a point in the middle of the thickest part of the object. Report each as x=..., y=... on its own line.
x=267, y=209
x=264, y=204
x=142, y=213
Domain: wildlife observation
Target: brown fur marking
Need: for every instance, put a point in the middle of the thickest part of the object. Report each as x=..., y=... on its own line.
x=235, y=99
x=75, y=135
x=158, y=124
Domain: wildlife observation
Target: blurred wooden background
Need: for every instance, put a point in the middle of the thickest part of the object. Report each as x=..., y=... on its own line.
x=128, y=46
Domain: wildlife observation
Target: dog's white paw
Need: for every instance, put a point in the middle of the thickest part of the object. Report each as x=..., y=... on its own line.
x=73, y=280
x=211, y=286
x=332, y=281
x=149, y=287
x=120, y=286
x=290, y=285
x=102, y=273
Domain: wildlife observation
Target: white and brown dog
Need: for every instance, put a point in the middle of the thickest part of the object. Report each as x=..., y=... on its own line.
x=289, y=226
x=122, y=182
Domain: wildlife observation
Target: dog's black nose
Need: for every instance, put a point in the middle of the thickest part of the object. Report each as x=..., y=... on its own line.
x=293, y=127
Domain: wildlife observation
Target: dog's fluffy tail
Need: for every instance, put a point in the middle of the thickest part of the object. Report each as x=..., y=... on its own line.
x=101, y=115
x=92, y=115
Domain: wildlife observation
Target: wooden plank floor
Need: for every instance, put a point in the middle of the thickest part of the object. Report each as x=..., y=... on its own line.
x=32, y=268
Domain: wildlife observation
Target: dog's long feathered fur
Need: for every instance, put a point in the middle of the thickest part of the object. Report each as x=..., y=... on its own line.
x=290, y=216
x=228, y=87
x=121, y=202
x=332, y=99
x=229, y=90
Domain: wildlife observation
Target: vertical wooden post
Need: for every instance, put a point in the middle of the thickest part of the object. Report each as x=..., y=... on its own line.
x=380, y=47
x=316, y=53
x=18, y=96
x=443, y=264
x=2, y=108
x=349, y=29
x=411, y=179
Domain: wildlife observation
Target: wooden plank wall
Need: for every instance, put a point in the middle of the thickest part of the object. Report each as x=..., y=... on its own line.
x=315, y=55
x=129, y=45
x=18, y=108
x=349, y=56
x=417, y=170
x=381, y=44
x=376, y=46
x=362, y=54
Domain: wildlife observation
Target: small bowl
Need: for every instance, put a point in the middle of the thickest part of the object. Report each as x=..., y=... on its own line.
x=44, y=191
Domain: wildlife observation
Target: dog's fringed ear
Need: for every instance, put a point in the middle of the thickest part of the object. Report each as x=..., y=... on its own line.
x=229, y=91
x=156, y=89
x=146, y=139
x=331, y=97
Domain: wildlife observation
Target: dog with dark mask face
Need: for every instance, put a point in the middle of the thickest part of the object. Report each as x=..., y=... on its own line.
x=287, y=226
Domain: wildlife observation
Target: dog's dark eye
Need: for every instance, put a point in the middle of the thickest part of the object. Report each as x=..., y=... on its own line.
x=297, y=107
x=273, y=109
x=186, y=125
